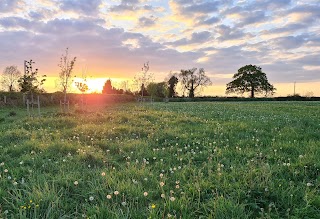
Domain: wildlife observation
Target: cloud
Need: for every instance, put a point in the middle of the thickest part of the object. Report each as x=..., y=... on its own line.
x=208, y=21
x=87, y=7
x=129, y=5
x=227, y=33
x=147, y=21
x=9, y=5
x=196, y=38
x=289, y=42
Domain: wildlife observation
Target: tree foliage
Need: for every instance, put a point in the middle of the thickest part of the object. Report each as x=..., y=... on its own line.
x=109, y=89
x=158, y=89
x=192, y=80
x=10, y=77
x=250, y=78
x=29, y=82
x=172, y=83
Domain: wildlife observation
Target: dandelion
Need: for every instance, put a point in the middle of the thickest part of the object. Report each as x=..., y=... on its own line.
x=163, y=195
x=103, y=174
x=145, y=194
x=75, y=183
x=2, y=164
x=153, y=206
x=161, y=175
x=177, y=186
x=172, y=198
x=91, y=198
x=309, y=184
x=109, y=196
x=6, y=170
x=161, y=184
x=123, y=203
x=116, y=193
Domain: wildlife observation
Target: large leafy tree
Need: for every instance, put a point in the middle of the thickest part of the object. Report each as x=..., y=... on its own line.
x=192, y=80
x=10, y=78
x=250, y=78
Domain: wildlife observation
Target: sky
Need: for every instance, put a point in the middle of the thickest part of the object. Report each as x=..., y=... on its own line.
x=114, y=38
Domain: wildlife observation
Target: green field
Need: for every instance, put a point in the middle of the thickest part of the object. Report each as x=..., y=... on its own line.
x=163, y=160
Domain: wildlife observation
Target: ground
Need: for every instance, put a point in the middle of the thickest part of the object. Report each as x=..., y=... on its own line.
x=162, y=160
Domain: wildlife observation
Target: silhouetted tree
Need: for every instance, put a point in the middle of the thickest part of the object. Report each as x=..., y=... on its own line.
x=66, y=67
x=192, y=79
x=107, y=88
x=29, y=82
x=250, y=78
x=172, y=82
x=10, y=78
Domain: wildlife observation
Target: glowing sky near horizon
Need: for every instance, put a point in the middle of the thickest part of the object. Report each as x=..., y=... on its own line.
x=112, y=39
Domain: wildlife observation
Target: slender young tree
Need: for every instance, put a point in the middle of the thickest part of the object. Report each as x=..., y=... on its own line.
x=143, y=78
x=66, y=66
x=10, y=78
x=29, y=82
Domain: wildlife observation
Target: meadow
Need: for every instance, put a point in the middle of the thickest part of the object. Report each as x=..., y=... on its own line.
x=162, y=160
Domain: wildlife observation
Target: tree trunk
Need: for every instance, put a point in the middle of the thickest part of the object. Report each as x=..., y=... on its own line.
x=252, y=92
x=64, y=100
x=191, y=91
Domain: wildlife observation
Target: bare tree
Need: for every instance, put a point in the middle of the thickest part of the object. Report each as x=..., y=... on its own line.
x=10, y=77
x=192, y=79
x=66, y=66
x=143, y=78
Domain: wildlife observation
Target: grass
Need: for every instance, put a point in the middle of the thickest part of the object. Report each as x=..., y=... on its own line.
x=174, y=160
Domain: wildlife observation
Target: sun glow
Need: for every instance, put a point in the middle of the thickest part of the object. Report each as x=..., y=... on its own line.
x=95, y=85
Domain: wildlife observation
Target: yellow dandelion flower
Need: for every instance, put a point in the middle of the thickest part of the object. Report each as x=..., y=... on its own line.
x=153, y=206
